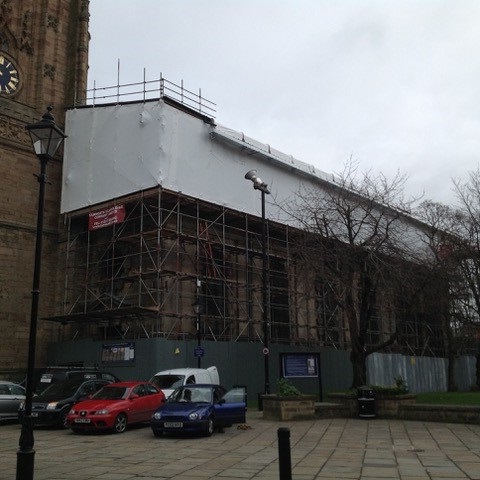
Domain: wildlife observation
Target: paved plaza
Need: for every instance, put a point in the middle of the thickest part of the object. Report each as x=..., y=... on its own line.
x=327, y=449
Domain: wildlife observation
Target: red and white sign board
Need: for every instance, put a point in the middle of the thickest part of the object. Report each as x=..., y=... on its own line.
x=107, y=217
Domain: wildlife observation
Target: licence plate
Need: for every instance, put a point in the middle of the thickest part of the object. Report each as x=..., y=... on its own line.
x=173, y=424
x=82, y=420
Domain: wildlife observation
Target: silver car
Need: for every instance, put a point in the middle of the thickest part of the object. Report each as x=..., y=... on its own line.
x=11, y=396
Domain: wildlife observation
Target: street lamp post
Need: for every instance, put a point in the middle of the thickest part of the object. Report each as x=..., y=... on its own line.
x=259, y=184
x=198, y=308
x=46, y=138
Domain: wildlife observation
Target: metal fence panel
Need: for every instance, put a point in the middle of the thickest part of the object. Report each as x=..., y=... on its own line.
x=422, y=374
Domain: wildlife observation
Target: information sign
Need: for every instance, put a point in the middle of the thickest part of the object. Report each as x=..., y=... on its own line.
x=300, y=365
x=199, y=352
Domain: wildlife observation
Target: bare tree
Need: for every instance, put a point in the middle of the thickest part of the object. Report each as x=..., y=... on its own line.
x=454, y=240
x=444, y=263
x=358, y=237
x=467, y=228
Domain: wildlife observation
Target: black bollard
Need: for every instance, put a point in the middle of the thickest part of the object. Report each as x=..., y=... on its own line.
x=284, y=459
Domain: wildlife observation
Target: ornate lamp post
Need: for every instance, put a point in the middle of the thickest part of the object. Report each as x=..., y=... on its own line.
x=259, y=184
x=46, y=139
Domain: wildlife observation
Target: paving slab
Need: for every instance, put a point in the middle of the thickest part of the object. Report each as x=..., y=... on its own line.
x=324, y=449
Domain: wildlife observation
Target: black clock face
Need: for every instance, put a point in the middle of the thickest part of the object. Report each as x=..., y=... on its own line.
x=9, y=80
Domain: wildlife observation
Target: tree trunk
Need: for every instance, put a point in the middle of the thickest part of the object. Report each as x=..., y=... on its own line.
x=478, y=369
x=451, y=386
x=359, y=366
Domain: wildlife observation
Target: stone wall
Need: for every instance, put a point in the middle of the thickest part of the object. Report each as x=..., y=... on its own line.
x=48, y=42
x=386, y=406
x=402, y=407
x=469, y=414
x=288, y=408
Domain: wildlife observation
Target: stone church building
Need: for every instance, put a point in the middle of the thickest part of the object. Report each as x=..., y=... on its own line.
x=44, y=46
x=148, y=212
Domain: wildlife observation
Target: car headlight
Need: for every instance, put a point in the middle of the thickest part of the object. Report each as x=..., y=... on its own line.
x=103, y=411
x=52, y=405
x=21, y=406
x=157, y=415
x=193, y=416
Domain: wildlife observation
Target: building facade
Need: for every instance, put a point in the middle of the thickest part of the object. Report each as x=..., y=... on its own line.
x=159, y=215
x=148, y=212
x=43, y=61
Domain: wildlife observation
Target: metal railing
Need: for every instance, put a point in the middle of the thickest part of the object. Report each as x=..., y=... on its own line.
x=151, y=90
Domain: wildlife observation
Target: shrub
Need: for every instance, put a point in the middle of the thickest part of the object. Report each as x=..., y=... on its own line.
x=286, y=389
x=399, y=388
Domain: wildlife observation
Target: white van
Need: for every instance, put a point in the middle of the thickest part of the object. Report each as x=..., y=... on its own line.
x=169, y=380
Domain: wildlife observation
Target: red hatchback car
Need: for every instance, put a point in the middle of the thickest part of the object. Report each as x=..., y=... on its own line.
x=115, y=406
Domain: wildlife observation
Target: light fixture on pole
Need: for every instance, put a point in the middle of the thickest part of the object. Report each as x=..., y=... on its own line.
x=199, y=308
x=46, y=139
x=259, y=184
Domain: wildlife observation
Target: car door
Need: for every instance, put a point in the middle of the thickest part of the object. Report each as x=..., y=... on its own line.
x=231, y=406
x=10, y=398
x=154, y=399
x=140, y=404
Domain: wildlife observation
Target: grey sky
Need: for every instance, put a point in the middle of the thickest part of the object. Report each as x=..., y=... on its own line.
x=393, y=84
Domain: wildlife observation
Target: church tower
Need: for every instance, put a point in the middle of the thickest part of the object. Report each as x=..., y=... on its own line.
x=43, y=61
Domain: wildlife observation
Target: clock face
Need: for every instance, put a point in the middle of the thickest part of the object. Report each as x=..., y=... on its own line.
x=9, y=77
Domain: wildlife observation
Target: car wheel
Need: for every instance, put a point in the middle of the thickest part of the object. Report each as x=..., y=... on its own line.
x=209, y=430
x=63, y=418
x=120, y=423
x=77, y=430
x=158, y=433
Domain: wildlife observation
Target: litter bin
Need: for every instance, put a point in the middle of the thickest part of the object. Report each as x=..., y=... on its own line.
x=366, y=402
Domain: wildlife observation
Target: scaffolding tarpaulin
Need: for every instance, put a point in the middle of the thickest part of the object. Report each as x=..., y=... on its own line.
x=117, y=150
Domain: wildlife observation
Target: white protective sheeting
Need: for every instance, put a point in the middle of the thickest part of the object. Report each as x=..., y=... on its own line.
x=117, y=150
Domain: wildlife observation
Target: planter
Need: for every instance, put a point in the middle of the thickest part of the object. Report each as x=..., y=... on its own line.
x=469, y=414
x=349, y=400
x=298, y=407
x=386, y=405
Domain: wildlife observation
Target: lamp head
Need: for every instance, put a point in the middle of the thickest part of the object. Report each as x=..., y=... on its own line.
x=46, y=136
x=258, y=183
x=199, y=306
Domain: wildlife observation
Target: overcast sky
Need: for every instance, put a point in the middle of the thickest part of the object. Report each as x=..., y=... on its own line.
x=395, y=85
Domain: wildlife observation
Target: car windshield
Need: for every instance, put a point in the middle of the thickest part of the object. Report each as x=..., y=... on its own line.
x=65, y=389
x=191, y=394
x=4, y=389
x=111, y=393
x=168, y=381
x=17, y=390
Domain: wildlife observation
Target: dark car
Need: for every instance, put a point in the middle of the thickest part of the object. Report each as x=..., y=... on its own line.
x=11, y=396
x=54, y=374
x=51, y=407
x=200, y=408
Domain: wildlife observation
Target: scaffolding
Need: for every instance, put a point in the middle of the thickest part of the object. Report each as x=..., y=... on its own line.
x=145, y=269
x=138, y=279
